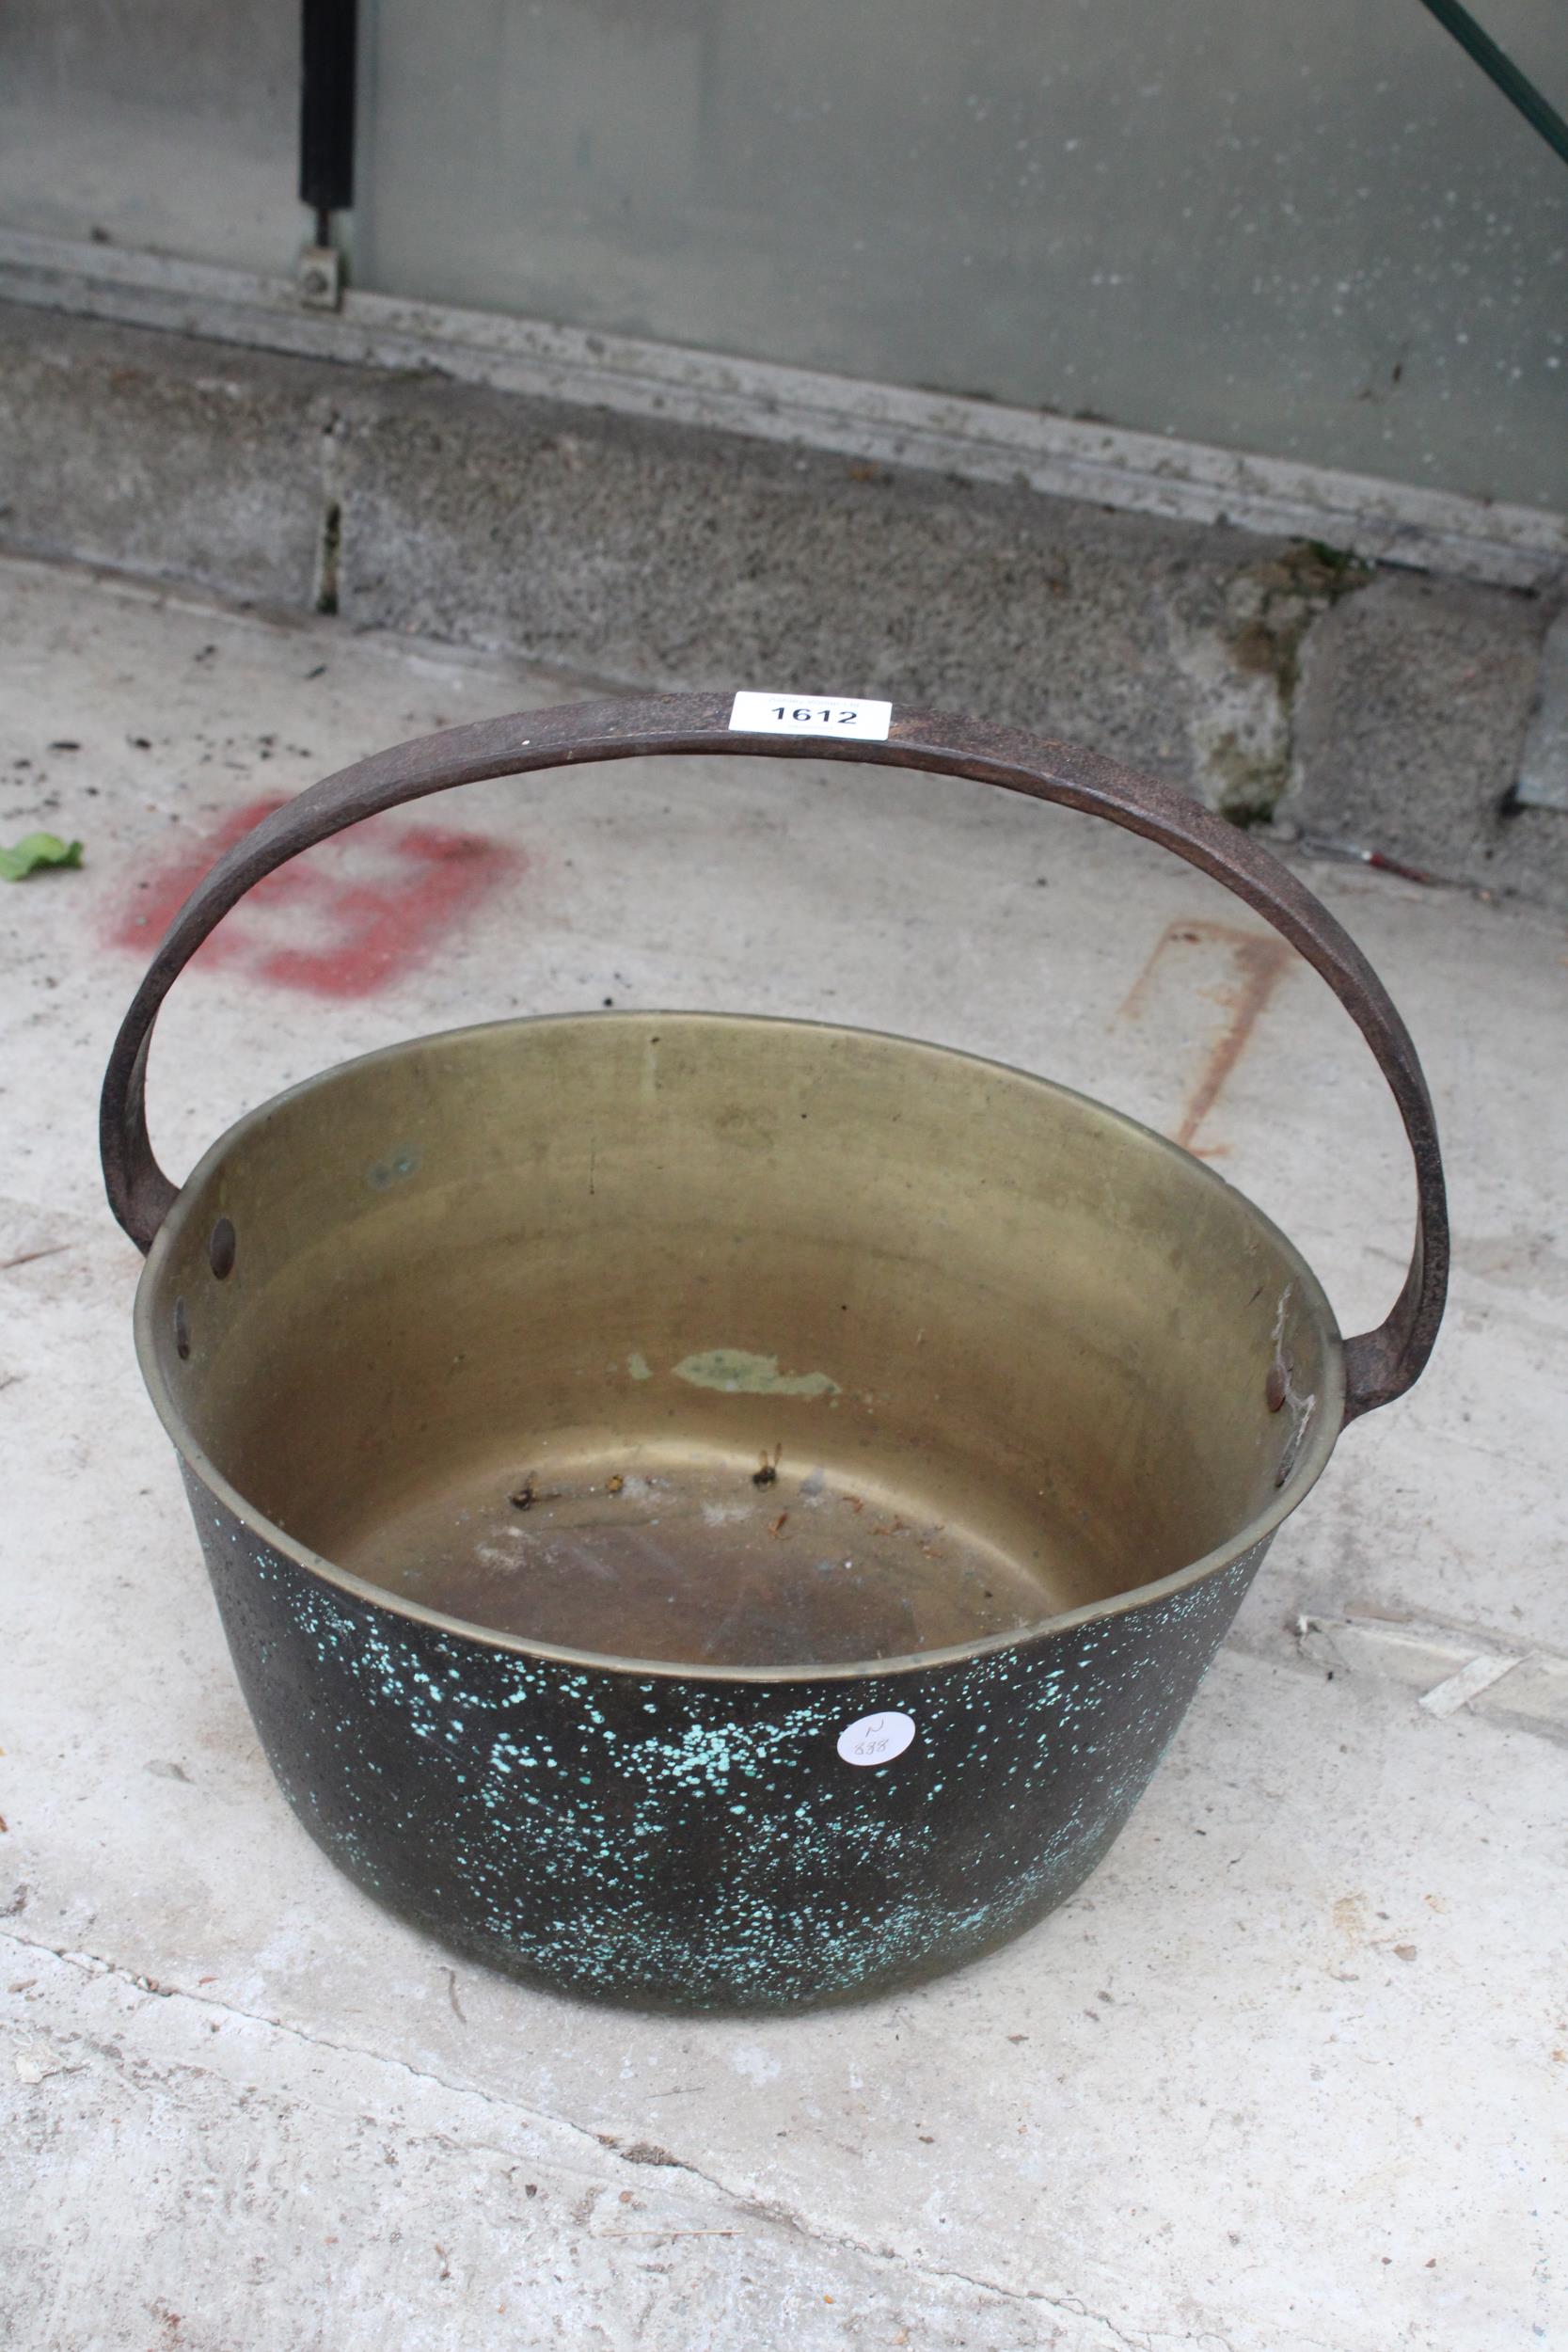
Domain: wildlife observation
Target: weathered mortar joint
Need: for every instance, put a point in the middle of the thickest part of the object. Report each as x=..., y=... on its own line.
x=1244, y=664
x=329, y=544
x=1279, y=600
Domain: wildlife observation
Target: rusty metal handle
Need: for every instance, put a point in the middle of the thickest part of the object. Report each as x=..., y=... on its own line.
x=1379, y=1366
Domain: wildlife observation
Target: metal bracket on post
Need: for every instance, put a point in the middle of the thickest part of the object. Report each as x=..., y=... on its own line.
x=319, y=278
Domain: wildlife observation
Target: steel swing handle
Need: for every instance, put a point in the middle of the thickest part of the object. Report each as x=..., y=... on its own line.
x=1379, y=1366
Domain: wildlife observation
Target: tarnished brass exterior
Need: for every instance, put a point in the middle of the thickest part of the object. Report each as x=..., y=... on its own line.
x=727, y=1513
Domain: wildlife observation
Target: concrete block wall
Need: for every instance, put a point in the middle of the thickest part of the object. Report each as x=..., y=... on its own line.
x=1371, y=709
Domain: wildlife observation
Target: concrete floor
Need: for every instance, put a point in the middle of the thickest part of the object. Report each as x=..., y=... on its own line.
x=1288, y=2076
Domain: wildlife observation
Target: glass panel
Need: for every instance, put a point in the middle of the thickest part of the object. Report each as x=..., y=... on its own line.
x=1312, y=232
x=169, y=124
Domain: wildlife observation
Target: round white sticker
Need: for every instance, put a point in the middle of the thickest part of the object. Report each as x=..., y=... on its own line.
x=875, y=1738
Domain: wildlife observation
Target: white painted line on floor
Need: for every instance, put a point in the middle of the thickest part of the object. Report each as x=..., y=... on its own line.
x=1446, y=1698
x=1443, y=1669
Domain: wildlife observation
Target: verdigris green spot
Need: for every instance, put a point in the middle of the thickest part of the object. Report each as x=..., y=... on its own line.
x=395, y=1170
x=637, y=1365
x=742, y=1374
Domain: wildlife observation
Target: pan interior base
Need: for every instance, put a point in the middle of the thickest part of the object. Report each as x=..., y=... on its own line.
x=699, y=1556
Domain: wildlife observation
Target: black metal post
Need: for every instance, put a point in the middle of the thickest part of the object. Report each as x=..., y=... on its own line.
x=329, y=30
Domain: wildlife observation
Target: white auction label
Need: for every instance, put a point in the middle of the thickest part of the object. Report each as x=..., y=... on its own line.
x=875, y=1738
x=809, y=715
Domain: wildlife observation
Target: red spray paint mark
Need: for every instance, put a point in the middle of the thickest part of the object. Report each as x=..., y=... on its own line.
x=1258, y=959
x=341, y=919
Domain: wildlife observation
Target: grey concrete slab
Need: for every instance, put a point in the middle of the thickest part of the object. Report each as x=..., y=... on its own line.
x=1264, y=673
x=1284, y=2077
x=1543, y=767
x=163, y=456
x=1413, y=729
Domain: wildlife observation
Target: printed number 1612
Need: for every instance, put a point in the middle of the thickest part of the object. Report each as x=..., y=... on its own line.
x=783, y=714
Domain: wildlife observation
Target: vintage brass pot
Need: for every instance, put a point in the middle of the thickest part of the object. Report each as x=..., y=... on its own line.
x=720, y=1512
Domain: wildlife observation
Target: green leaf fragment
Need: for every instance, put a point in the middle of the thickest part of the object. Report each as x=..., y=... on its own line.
x=37, y=850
